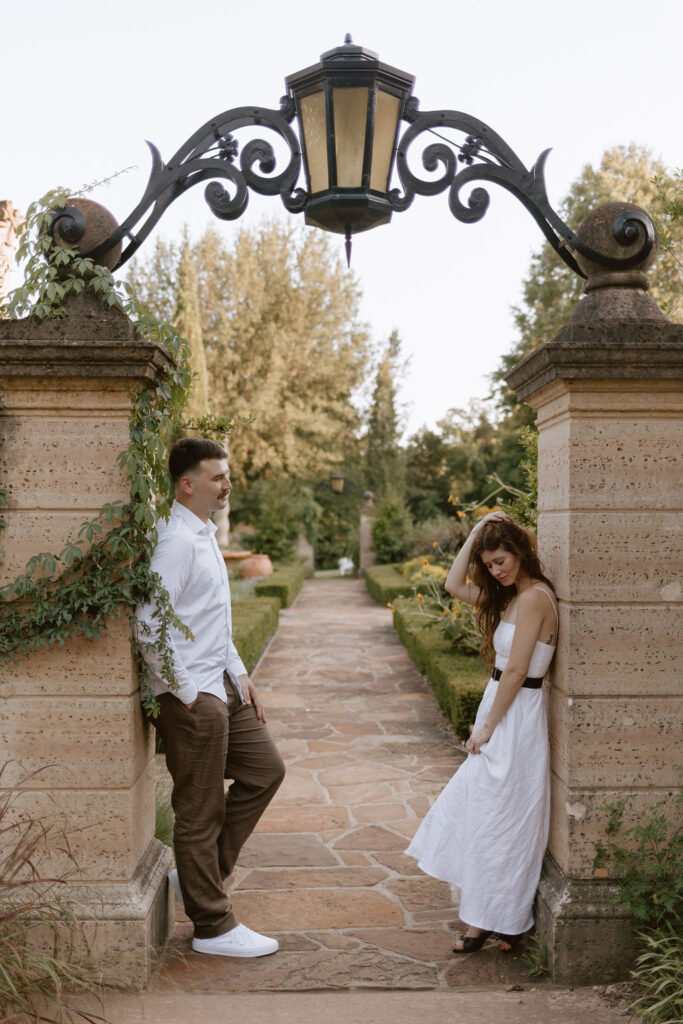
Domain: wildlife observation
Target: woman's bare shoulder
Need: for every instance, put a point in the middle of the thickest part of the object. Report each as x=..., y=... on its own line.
x=537, y=596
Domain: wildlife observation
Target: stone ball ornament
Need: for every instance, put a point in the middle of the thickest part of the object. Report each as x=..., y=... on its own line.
x=622, y=235
x=86, y=224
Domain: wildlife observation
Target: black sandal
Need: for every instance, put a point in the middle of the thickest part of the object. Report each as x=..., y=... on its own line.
x=512, y=940
x=472, y=943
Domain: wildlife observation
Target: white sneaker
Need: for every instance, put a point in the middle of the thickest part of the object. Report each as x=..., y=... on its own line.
x=175, y=886
x=239, y=941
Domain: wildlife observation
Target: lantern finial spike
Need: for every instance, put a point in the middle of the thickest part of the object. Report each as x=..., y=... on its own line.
x=347, y=246
x=347, y=39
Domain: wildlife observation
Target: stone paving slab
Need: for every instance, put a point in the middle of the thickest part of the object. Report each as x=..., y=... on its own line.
x=367, y=752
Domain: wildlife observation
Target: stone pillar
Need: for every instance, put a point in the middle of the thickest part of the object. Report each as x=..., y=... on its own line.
x=366, y=557
x=65, y=400
x=609, y=395
x=10, y=219
x=305, y=551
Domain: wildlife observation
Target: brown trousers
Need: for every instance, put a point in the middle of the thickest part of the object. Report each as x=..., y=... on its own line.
x=205, y=744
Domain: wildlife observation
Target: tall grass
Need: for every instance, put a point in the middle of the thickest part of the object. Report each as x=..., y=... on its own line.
x=44, y=949
x=659, y=969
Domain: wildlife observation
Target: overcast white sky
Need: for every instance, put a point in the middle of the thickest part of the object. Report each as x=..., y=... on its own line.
x=85, y=82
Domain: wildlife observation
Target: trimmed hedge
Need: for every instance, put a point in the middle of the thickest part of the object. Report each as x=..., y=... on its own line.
x=254, y=621
x=285, y=583
x=457, y=679
x=385, y=583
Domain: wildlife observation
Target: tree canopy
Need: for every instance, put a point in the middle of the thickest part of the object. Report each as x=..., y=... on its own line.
x=384, y=462
x=187, y=321
x=283, y=341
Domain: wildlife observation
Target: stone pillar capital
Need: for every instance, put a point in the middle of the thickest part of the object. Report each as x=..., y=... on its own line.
x=90, y=342
x=620, y=351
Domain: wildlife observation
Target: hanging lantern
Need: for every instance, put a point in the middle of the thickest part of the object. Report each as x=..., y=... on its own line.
x=337, y=483
x=349, y=108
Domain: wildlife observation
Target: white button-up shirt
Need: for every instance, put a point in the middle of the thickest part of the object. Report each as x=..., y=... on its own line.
x=192, y=570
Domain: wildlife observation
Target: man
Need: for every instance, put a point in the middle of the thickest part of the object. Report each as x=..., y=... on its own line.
x=213, y=725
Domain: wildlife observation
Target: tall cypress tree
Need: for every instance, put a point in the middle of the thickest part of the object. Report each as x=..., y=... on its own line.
x=187, y=321
x=384, y=462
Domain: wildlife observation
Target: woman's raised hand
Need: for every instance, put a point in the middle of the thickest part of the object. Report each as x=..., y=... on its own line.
x=491, y=517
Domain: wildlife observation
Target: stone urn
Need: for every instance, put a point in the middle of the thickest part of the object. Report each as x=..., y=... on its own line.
x=256, y=565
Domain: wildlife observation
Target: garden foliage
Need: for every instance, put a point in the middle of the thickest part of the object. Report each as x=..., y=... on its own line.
x=391, y=531
x=647, y=861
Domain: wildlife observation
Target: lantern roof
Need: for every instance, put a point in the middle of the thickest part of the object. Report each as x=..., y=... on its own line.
x=348, y=57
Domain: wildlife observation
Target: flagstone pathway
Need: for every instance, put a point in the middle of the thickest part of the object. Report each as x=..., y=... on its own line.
x=367, y=751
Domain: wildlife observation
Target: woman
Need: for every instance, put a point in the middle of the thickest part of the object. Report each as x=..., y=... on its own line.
x=487, y=832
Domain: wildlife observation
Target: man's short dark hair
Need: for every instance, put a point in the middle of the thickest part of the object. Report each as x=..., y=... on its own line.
x=187, y=453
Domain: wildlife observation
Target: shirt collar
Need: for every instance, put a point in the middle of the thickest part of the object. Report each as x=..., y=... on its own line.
x=193, y=521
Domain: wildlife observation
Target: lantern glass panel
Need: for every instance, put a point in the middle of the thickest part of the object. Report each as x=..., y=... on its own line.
x=386, y=119
x=315, y=137
x=350, y=117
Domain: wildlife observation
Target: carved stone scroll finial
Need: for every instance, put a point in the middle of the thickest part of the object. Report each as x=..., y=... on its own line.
x=617, y=230
x=87, y=224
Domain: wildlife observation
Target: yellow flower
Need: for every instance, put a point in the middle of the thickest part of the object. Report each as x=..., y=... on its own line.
x=434, y=545
x=420, y=598
x=444, y=611
x=460, y=515
x=425, y=562
x=450, y=497
x=390, y=605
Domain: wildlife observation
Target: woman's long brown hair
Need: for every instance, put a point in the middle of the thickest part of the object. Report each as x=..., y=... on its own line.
x=509, y=535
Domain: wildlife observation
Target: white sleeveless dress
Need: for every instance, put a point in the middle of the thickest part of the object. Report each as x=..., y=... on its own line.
x=488, y=830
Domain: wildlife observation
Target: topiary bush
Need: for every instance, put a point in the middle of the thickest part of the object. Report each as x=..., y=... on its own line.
x=284, y=584
x=386, y=582
x=254, y=621
x=458, y=680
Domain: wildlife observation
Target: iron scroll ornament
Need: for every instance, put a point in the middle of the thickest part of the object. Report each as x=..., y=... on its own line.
x=210, y=154
x=487, y=157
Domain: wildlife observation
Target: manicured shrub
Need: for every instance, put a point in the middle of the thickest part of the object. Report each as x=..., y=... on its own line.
x=458, y=680
x=253, y=623
x=284, y=584
x=386, y=582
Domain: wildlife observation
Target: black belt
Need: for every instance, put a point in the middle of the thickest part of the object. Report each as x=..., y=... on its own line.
x=533, y=684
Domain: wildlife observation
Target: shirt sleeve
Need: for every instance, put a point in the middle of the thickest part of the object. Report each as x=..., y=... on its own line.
x=172, y=560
